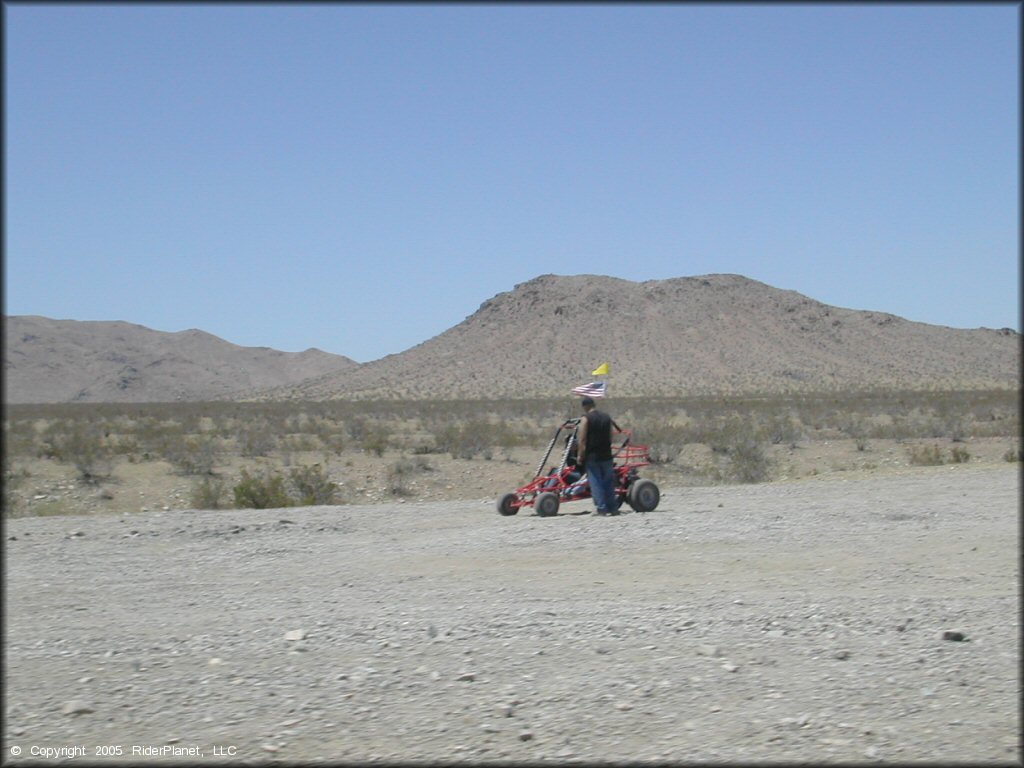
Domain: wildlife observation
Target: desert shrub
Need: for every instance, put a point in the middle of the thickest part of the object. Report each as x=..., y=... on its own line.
x=663, y=451
x=960, y=455
x=12, y=481
x=297, y=422
x=946, y=424
x=398, y=476
x=162, y=440
x=357, y=427
x=723, y=436
x=470, y=439
x=50, y=508
x=191, y=455
x=329, y=431
x=502, y=435
x=311, y=486
x=125, y=445
x=781, y=428
x=334, y=442
x=300, y=443
x=957, y=427
x=50, y=439
x=82, y=446
x=665, y=440
x=256, y=438
x=266, y=492
x=208, y=493
x=149, y=436
x=401, y=472
x=371, y=435
x=303, y=486
x=926, y=455
x=446, y=439
x=1013, y=454
x=19, y=438
x=747, y=460
x=853, y=426
x=376, y=441
x=741, y=447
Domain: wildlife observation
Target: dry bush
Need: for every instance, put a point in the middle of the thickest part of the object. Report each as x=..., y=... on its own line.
x=959, y=455
x=195, y=437
x=303, y=486
x=926, y=455
x=746, y=460
x=208, y=493
x=311, y=486
x=13, y=479
x=372, y=435
x=82, y=445
x=476, y=437
x=192, y=455
x=377, y=440
x=20, y=438
x=265, y=491
x=401, y=472
x=256, y=438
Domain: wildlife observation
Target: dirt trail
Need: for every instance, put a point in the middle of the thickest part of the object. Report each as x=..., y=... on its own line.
x=799, y=621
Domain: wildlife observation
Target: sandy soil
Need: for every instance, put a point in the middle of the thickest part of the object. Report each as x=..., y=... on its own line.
x=863, y=615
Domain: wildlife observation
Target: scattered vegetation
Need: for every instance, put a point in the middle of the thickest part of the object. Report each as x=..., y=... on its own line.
x=476, y=437
x=959, y=455
x=709, y=439
x=926, y=455
x=310, y=486
x=83, y=445
x=747, y=461
x=401, y=473
x=301, y=487
x=12, y=481
x=932, y=455
x=208, y=493
x=263, y=491
x=191, y=455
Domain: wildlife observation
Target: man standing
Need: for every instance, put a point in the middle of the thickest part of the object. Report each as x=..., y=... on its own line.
x=595, y=455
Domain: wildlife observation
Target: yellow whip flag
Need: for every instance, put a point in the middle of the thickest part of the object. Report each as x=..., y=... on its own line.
x=601, y=370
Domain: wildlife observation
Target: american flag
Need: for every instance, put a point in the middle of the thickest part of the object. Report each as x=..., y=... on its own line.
x=593, y=389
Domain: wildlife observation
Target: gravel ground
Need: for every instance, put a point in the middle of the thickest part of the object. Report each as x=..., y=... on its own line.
x=872, y=617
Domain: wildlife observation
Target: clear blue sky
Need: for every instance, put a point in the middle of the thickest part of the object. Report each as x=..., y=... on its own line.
x=360, y=178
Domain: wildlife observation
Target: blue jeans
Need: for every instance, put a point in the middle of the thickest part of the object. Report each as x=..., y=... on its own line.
x=601, y=475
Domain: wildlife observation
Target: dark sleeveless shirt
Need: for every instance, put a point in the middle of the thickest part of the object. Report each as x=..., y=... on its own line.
x=599, y=436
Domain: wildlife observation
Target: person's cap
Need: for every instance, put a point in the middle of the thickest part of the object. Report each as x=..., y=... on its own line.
x=587, y=401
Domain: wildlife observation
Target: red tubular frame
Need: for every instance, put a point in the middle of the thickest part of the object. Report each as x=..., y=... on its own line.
x=628, y=457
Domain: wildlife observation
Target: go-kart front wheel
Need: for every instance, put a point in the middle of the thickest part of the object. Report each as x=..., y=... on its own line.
x=506, y=504
x=643, y=496
x=546, y=504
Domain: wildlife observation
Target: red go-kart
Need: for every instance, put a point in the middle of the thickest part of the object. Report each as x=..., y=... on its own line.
x=567, y=482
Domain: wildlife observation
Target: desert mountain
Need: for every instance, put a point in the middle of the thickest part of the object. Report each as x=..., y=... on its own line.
x=60, y=361
x=690, y=335
x=715, y=334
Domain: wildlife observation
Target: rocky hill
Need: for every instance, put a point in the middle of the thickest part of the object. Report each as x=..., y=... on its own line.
x=714, y=334
x=60, y=361
x=690, y=335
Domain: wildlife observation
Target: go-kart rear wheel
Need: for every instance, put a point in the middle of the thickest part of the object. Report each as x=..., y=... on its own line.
x=546, y=504
x=643, y=496
x=506, y=504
